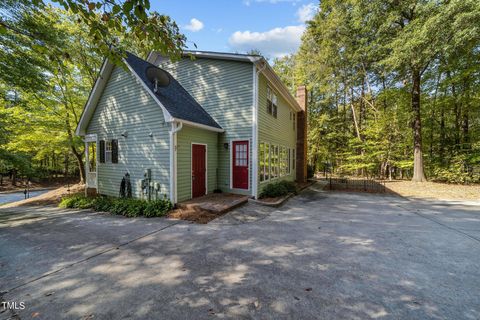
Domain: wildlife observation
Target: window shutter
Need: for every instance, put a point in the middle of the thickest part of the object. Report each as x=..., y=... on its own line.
x=102, y=151
x=114, y=151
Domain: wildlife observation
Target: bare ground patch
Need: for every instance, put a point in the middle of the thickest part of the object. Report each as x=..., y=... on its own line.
x=433, y=190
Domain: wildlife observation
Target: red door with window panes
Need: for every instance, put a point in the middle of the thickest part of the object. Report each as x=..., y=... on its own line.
x=199, y=170
x=240, y=164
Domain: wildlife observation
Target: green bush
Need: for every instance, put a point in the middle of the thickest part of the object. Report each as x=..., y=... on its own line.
x=121, y=206
x=76, y=201
x=102, y=203
x=158, y=208
x=278, y=189
x=289, y=185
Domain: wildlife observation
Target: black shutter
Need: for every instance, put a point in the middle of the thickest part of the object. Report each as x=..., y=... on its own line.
x=102, y=151
x=114, y=151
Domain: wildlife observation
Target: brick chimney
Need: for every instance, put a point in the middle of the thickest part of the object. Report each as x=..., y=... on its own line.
x=301, y=156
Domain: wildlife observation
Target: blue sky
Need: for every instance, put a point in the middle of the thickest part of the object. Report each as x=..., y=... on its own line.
x=272, y=26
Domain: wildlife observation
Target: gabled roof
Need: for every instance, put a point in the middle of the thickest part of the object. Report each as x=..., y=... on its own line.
x=175, y=102
x=178, y=102
x=260, y=62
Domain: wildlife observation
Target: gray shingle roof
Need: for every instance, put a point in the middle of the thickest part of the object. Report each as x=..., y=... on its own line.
x=178, y=102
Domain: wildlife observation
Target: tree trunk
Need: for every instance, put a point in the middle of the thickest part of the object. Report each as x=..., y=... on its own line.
x=418, y=172
x=465, y=122
x=81, y=165
x=14, y=177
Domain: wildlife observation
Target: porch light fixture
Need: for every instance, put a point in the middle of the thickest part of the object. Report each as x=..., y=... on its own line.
x=125, y=134
x=225, y=145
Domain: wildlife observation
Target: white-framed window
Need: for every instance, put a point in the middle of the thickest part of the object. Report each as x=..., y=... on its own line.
x=294, y=156
x=261, y=161
x=283, y=161
x=289, y=167
x=108, y=151
x=275, y=161
x=267, y=161
x=272, y=103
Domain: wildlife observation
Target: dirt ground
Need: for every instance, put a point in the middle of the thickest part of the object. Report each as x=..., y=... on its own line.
x=50, y=198
x=433, y=190
x=197, y=216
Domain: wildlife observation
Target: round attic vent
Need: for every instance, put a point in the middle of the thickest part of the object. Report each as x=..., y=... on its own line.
x=158, y=77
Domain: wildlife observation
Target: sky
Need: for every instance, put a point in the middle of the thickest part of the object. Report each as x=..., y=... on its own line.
x=274, y=27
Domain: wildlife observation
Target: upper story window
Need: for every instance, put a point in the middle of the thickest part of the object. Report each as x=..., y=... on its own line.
x=272, y=106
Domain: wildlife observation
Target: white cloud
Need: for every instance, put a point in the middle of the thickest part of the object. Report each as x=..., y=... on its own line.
x=273, y=43
x=194, y=25
x=306, y=12
x=249, y=2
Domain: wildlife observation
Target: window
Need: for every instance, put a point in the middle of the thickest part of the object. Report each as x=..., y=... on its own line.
x=108, y=151
x=261, y=162
x=289, y=168
x=294, y=124
x=274, y=162
x=283, y=161
x=294, y=159
x=267, y=161
x=241, y=155
x=271, y=103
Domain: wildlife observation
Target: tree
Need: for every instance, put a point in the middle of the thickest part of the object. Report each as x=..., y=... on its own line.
x=104, y=21
x=375, y=70
x=416, y=34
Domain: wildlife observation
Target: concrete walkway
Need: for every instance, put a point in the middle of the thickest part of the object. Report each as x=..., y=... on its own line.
x=320, y=256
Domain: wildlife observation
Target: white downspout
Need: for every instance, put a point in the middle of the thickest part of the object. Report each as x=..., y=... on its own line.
x=255, y=130
x=173, y=159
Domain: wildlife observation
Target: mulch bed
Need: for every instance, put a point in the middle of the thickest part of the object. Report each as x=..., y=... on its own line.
x=196, y=216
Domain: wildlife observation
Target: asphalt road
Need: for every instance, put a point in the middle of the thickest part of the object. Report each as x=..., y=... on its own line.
x=320, y=256
x=7, y=197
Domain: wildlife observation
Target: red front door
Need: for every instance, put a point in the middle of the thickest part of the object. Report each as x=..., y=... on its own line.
x=240, y=164
x=199, y=170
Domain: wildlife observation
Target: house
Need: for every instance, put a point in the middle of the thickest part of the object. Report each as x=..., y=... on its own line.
x=208, y=122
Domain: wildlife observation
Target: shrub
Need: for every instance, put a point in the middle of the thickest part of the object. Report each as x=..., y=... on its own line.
x=134, y=207
x=157, y=208
x=122, y=206
x=289, y=185
x=76, y=201
x=272, y=190
x=102, y=203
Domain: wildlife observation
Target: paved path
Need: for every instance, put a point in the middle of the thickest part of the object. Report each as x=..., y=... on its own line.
x=320, y=256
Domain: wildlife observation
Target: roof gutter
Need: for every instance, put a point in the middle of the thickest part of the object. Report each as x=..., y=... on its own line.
x=198, y=125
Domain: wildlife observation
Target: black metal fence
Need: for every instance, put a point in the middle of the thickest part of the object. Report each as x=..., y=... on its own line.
x=359, y=185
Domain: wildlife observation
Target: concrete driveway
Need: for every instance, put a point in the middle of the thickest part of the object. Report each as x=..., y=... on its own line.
x=320, y=256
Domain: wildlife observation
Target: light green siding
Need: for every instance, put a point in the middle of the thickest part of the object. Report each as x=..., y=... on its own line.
x=185, y=138
x=278, y=131
x=125, y=106
x=225, y=90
